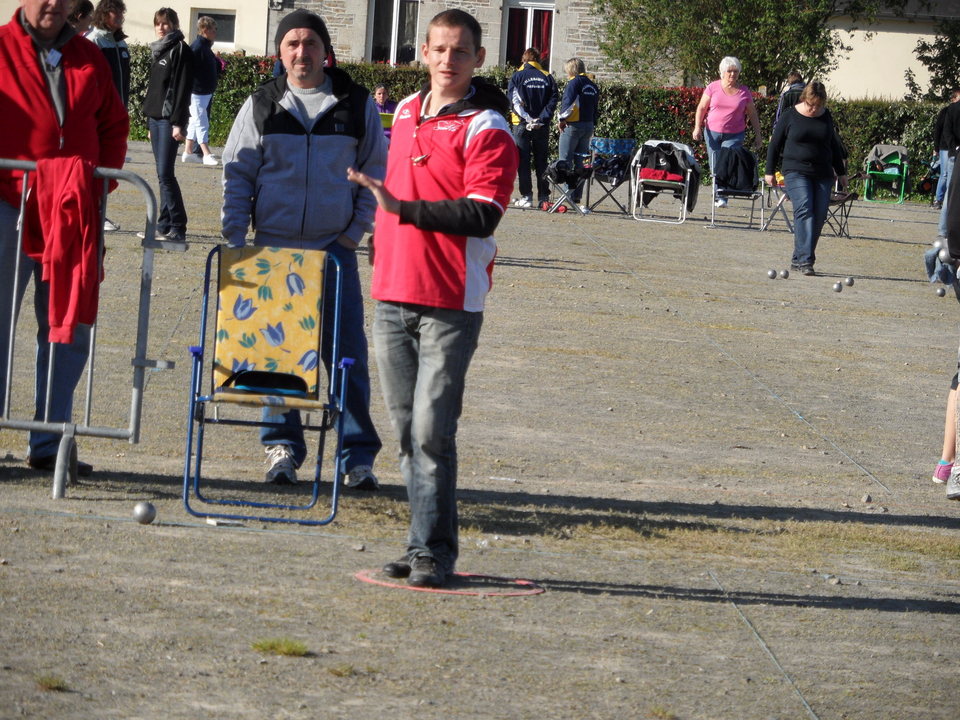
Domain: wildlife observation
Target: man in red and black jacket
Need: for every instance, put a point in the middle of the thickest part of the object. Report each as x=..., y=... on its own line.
x=450, y=173
x=57, y=100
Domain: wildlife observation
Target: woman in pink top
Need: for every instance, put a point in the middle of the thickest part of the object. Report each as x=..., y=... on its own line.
x=723, y=111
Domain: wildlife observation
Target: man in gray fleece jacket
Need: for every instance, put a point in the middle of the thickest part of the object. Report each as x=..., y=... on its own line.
x=285, y=173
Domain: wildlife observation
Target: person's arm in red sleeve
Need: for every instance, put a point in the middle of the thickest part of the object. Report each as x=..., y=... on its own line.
x=490, y=162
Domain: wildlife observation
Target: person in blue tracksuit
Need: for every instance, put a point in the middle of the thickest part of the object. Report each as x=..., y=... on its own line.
x=533, y=95
x=577, y=116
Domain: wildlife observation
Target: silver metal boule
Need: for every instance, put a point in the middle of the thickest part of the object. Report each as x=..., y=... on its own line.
x=784, y=274
x=944, y=255
x=938, y=244
x=837, y=287
x=144, y=512
x=848, y=282
x=771, y=273
x=941, y=292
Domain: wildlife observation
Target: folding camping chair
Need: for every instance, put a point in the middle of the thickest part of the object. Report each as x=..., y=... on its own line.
x=664, y=167
x=609, y=169
x=887, y=166
x=271, y=318
x=838, y=212
x=736, y=177
x=777, y=200
x=567, y=181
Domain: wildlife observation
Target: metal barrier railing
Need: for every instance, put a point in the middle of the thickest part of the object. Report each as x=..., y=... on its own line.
x=66, y=464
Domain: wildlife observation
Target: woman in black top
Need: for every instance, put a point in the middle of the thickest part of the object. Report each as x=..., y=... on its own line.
x=167, y=107
x=807, y=144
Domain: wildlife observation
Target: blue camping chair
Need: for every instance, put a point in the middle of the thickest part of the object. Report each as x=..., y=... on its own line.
x=265, y=352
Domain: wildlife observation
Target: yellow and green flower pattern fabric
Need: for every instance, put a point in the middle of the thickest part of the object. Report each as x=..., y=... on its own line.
x=268, y=315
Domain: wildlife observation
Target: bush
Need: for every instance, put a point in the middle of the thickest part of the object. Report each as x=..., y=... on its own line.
x=626, y=111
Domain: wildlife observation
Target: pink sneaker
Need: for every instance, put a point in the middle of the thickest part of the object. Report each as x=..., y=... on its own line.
x=942, y=473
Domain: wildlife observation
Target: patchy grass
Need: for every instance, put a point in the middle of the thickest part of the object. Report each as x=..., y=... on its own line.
x=746, y=538
x=659, y=713
x=342, y=670
x=51, y=683
x=281, y=646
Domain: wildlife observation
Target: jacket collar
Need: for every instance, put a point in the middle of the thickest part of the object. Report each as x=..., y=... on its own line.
x=339, y=79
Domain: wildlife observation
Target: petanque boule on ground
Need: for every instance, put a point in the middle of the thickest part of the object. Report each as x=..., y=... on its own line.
x=144, y=512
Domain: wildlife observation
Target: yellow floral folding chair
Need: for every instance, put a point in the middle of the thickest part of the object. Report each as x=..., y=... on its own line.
x=270, y=322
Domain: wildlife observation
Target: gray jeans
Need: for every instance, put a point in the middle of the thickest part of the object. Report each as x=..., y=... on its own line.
x=423, y=354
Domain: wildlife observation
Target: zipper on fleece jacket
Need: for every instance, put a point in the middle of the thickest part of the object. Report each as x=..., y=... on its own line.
x=306, y=184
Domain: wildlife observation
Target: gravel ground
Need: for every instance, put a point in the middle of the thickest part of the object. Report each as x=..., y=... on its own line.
x=720, y=481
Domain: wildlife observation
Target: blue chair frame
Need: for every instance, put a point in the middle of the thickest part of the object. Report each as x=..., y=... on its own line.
x=334, y=400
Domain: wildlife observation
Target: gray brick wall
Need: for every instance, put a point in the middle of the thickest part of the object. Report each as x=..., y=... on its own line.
x=575, y=33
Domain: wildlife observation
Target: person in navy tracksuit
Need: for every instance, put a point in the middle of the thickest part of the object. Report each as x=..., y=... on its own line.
x=578, y=115
x=533, y=95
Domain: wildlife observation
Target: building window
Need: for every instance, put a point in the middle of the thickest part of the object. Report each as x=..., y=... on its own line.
x=528, y=24
x=394, y=33
x=226, y=25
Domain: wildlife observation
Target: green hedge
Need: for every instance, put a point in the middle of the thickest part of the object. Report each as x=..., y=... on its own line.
x=626, y=111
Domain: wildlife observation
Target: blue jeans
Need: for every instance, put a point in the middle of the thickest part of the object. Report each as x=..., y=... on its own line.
x=423, y=354
x=811, y=198
x=942, y=226
x=173, y=215
x=717, y=140
x=361, y=443
x=532, y=142
x=575, y=146
x=944, y=175
x=69, y=359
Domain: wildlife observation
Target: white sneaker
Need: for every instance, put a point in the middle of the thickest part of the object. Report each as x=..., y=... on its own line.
x=953, y=484
x=109, y=226
x=189, y=158
x=523, y=202
x=584, y=209
x=361, y=478
x=721, y=202
x=283, y=470
x=211, y=160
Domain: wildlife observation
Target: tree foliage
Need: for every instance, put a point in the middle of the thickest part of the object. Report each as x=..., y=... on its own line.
x=680, y=41
x=942, y=59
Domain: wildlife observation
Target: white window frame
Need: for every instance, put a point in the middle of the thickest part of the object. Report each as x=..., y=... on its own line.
x=394, y=26
x=527, y=5
x=217, y=45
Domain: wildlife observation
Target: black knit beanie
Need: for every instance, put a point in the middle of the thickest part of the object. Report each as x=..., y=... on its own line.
x=301, y=18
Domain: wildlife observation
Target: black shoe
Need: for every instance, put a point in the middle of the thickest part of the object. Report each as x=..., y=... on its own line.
x=794, y=268
x=937, y=205
x=48, y=463
x=807, y=270
x=426, y=572
x=396, y=569
x=177, y=236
